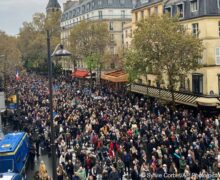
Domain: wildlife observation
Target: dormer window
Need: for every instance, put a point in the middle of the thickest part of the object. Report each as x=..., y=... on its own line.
x=122, y=2
x=180, y=10
x=194, y=5
x=99, y=3
x=83, y=8
x=168, y=10
x=88, y=7
x=70, y=14
x=110, y=2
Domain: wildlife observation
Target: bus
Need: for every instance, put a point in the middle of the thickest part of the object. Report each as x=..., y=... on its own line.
x=14, y=150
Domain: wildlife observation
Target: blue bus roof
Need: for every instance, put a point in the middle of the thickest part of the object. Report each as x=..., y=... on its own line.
x=10, y=142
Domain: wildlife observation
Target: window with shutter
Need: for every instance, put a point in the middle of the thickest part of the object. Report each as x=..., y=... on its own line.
x=217, y=56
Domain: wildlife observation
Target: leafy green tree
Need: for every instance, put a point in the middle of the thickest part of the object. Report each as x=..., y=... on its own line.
x=88, y=42
x=88, y=38
x=163, y=46
x=133, y=61
x=32, y=39
x=10, y=56
x=92, y=62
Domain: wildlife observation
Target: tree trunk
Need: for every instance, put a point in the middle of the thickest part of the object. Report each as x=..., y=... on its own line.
x=90, y=78
x=100, y=75
x=173, y=97
x=171, y=88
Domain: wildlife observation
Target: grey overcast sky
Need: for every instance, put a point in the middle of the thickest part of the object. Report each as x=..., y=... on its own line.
x=14, y=12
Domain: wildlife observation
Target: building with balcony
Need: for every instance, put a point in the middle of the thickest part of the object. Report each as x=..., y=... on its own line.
x=202, y=19
x=127, y=35
x=114, y=12
x=146, y=8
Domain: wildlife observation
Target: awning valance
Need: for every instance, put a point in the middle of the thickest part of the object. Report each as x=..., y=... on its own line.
x=207, y=101
x=80, y=73
x=115, y=76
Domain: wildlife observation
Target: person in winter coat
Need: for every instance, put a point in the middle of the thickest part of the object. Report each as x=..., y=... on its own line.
x=60, y=173
x=42, y=170
x=120, y=168
x=69, y=156
x=62, y=159
x=114, y=174
x=135, y=173
x=127, y=161
x=69, y=169
x=182, y=164
x=81, y=173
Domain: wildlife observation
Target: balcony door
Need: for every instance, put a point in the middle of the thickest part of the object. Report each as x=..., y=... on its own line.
x=197, y=83
x=219, y=84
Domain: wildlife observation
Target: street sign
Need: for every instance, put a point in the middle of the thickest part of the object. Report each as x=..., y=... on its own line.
x=12, y=106
x=2, y=101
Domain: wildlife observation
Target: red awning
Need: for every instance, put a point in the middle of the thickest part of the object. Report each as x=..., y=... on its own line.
x=80, y=73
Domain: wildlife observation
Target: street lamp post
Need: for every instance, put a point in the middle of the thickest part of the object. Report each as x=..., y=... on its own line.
x=60, y=52
x=2, y=98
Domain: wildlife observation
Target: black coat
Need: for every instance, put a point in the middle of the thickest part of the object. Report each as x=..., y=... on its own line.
x=134, y=175
x=69, y=169
x=114, y=176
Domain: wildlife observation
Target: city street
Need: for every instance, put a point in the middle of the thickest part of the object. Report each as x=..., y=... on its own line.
x=110, y=89
x=46, y=160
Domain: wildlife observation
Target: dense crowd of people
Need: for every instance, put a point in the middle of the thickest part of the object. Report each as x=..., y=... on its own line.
x=112, y=135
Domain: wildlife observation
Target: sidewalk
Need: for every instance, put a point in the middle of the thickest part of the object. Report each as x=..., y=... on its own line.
x=47, y=161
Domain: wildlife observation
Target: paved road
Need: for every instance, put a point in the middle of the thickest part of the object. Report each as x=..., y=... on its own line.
x=30, y=173
x=47, y=161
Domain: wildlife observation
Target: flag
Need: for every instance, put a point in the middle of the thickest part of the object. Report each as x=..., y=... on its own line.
x=17, y=75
